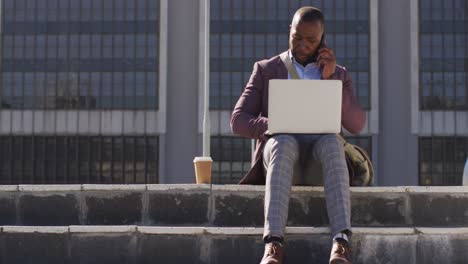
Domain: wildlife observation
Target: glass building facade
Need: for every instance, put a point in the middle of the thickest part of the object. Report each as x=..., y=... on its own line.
x=443, y=49
x=78, y=159
x=243, y=32
x=443, y=53
x=79, y=55
x=84, y=95
x=442, y=160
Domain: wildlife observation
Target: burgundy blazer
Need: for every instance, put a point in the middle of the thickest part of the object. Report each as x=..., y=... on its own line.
x=250, y=115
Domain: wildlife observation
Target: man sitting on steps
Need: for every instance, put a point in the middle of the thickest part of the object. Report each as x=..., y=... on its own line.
x=276, y=156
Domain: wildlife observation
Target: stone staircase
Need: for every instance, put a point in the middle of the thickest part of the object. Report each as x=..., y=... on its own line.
x=223, y=224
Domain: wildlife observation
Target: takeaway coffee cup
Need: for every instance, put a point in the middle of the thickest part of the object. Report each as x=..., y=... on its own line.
x=203, y=169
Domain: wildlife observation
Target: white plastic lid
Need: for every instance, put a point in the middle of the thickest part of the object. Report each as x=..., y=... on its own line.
x=202, y=159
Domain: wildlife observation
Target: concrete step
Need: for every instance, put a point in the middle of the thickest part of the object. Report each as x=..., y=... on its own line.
x=139, y=244
x=223, y=205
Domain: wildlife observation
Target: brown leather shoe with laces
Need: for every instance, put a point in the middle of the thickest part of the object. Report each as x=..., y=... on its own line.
x=273, y=254
x=340, y=253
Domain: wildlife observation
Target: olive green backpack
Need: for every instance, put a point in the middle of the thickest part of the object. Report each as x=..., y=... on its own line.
x=361, y=172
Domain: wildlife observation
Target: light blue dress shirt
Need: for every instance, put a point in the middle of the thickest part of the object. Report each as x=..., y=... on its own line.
x=310, y=72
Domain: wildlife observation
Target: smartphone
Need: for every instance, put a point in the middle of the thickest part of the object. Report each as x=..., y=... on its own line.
x=322, y=43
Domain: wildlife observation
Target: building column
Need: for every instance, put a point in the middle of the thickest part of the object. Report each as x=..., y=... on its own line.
x=398, y=148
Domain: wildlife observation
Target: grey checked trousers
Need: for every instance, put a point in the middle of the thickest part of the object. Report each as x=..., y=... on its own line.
x=282, y=154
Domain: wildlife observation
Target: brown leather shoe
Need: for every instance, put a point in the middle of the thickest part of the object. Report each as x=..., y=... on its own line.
x=273, y=254
x=340, y=253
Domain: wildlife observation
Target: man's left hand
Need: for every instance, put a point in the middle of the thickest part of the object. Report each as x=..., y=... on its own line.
x=326, y=61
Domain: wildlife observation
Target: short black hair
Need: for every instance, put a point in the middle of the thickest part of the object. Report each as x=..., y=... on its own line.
x=308, y=14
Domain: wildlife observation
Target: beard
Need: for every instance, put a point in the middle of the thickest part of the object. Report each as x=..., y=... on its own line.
x=302, y=58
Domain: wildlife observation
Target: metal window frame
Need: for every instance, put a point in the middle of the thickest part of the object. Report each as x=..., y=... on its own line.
x=429, y=122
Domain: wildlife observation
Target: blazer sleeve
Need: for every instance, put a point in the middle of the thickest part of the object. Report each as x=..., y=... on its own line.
x=245, y=119
x=353, y=117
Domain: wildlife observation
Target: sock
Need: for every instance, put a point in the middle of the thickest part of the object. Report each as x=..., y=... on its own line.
x=341, y=236
x=273, y=239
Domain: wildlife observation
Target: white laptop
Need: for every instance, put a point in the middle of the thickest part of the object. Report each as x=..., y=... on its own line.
x=304, y=106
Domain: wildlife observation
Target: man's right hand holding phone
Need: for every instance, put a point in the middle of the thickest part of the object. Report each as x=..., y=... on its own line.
x=326, y=60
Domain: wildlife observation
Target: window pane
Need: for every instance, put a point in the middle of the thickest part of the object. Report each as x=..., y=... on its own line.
x=62, y=47
x=130, y=10
x=117, y=160
x=152, y=158
x=85, y=46
x=119, y=9
x=96, y=46
x=130, y=46
x=52, y=10
x=153, y=10
x=117, y=86
x=106, y=161
x=108, y=10
x=129, y=159
x=86, y=10
x=231, y=157
x=106, y=99
x=20, y=10
x=129, y=90
x=28, y=90
x=151, y=88
x=8, y=46
x=95, y=90
x=118, y=46
x=63, y=7
x=19, y=47
x=8, y=12
x=140, y=160
x=442, y=159
x=29, y=47
x=142, y=9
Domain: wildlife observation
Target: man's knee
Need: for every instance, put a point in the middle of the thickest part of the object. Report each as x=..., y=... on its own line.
x=287, y=142
x=327, y=145
x=329, y=139
x=282, y=145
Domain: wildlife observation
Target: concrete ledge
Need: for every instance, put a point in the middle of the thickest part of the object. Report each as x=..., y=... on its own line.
x=114, y=187
x=142, y=244
x=102, y=229
x=36, y=229
x=441, y=231
x=184, y=187
x=171, y=230
x=8, y=188
x=196, y=230
x=225, y=187
x=224, y=205
x=50, y=188
x=437, y=189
